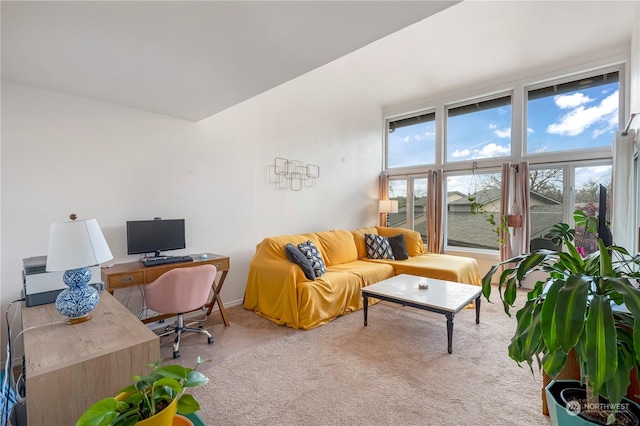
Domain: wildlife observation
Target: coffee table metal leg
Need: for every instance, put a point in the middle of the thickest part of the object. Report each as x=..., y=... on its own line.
x=449, y=332
x=365, y=302
x=478, y=310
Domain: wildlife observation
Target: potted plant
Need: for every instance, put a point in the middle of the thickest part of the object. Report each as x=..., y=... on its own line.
x=514, y=221
x=161, y=393
x=587, y=306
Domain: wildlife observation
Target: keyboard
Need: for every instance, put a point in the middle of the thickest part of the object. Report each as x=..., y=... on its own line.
x=164, y=260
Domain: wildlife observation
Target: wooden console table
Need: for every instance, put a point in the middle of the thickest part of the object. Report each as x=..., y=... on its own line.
x=69, y=367
x=123, y=275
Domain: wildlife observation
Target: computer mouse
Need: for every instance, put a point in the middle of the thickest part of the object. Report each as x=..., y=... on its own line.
x=203, y=256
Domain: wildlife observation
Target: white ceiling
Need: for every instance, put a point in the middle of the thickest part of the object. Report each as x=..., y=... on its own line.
x=187, y=59
x=485, y=43
x=194, y=59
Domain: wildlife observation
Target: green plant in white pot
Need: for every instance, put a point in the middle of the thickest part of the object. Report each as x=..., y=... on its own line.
x=576, y=307
x=161, y=393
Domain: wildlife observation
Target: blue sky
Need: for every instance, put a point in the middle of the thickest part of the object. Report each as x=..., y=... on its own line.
x=576, y=120
x=582, y=119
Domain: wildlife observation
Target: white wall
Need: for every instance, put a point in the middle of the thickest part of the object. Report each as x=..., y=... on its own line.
x=63, y=154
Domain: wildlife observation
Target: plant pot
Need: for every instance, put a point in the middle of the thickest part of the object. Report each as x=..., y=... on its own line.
x=514, y=221
x=561, y=415
x=162, y=418
x=180, y=420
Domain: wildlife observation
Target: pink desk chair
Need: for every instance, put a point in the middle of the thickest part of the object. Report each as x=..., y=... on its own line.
x=178, y=291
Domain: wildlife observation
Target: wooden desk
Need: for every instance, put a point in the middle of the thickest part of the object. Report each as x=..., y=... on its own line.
x=69, y=367
x=131, y=274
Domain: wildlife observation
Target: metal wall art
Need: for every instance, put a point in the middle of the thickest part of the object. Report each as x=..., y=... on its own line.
x=293, y=174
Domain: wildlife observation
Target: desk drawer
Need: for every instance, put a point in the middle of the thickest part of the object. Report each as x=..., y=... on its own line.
x=126, y=280
x=220, y=264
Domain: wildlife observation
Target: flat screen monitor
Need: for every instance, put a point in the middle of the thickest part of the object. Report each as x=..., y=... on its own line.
x=154, y=236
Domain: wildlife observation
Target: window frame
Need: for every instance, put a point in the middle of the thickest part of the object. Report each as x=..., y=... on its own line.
x=410, y=203
x=445, y=220
x=518, y=92
x=576, y=154
x=468, y=102
x=417, y=168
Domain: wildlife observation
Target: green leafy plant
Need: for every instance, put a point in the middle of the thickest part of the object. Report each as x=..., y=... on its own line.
x=147, y=396
x=499, y=228
x=500, y=223
x=576, y=307
x=474, y=205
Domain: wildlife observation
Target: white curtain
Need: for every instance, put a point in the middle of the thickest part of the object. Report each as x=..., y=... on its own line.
x=623, y=220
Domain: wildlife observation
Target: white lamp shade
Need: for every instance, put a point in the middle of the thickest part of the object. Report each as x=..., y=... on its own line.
x=76, y=244
x=388, y=206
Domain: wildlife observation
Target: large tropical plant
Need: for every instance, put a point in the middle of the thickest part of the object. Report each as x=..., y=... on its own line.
x=590, y=304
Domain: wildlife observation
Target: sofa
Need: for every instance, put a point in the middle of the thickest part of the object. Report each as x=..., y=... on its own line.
x=281, y=291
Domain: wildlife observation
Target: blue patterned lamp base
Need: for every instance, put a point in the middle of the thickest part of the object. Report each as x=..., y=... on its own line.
x=77, y=301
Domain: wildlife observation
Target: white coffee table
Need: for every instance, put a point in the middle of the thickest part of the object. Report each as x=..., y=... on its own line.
x=443, y=297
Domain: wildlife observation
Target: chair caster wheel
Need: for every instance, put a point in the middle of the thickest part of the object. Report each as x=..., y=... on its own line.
x=176, y=354
x=210, y=340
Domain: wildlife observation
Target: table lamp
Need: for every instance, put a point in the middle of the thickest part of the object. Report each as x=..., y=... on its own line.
x=73, y=246
x=388, y=206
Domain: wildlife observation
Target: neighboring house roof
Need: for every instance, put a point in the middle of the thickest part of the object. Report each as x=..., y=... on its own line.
x=486, y=196
x=468, y=230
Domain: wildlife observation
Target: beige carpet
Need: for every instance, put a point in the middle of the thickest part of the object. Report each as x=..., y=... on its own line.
x=396, y=371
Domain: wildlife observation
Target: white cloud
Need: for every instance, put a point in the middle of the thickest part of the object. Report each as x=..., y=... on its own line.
x=571, y=101
x=503, y=133
x=491, y=150
x=493, y=126
x=600, y=174
x=580, y=118
x=598, y=132
x=530, y=130
x=419, y=137
x=458, y=153
x=459, y=183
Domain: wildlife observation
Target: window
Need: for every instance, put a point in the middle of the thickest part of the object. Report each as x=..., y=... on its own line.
x=579, y=114
x=473, y=200
x=419, y=222
x=564, y=129
x=546, y=199
x=587, y=198
x=479, y=130
x=398, y=191
x=411, y=194
x=412, y=141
